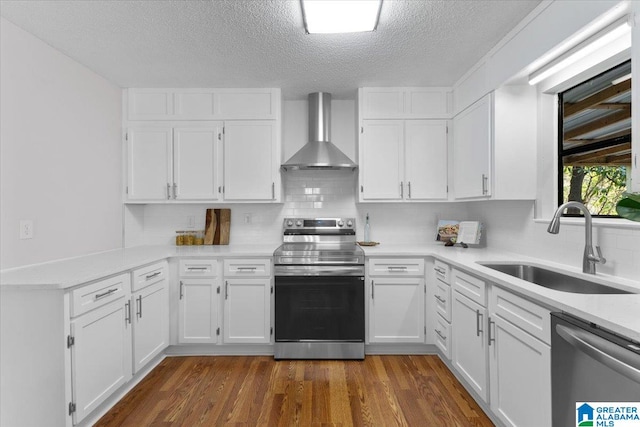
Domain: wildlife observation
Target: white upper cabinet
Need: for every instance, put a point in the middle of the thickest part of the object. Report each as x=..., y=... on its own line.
x=472, y=137
x=149, y=155
x=203, y=104
x=195, y=162
x=381, y=160
x=494, y=146
x=405, y=103
x=426, y=159
x=251, y=160
x=403, y=160
x=166, y=163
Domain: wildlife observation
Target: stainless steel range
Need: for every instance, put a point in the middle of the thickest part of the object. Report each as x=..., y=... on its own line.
x=319, y=290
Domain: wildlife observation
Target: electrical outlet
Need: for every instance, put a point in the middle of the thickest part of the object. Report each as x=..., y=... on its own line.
x=247, y=218
x=26, y=229
x=191, y=221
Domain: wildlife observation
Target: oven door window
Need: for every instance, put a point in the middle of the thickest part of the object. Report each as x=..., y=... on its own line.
x=319, y=308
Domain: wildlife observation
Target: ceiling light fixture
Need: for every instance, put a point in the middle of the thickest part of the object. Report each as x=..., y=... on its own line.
x=598, y=41
x=345, y=16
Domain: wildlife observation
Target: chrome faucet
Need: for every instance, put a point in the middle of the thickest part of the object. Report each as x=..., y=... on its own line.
x=589, y=260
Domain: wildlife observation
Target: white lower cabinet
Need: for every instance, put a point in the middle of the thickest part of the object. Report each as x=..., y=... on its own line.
x=150, y=319
x=101, y=355
x=247, y=314
x=248, y=287
x=199, y=301
x=396, y=300
x=520, y=360
x=469, y=347
x=198, y=311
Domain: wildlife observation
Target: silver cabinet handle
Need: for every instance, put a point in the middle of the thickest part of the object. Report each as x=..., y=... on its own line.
x=151, y=276
x=439, y=298
x=127, y=314
x=372, y=289
x=439, y=270
x=181, y=289
x=107, y=293
x=484, y=183
x=196, y=268
x=273, y=190
x=409, y=188
x=226, y=289
x=605, y=352
x=491, y=338
x=478, y=322
x=175, y=190
x=139, y=310
x=440, y=334
x=401, y=189
x=247, y=268
x=396, y=267
x=168, y=191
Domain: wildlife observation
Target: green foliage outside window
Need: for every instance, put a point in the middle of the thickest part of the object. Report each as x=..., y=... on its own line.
x=601, y=187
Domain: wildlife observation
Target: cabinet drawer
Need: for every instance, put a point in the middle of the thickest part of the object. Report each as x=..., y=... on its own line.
x=247, y=267
x=521, y=312
x=443, y=299
x=443, y=336
x=469, y=286
x=443, y=271
x=198, y=268
x=99, y=293
x=145, y=276
x=396, y=267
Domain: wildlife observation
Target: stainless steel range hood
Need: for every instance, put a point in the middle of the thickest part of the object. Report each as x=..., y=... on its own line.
x=319, y=153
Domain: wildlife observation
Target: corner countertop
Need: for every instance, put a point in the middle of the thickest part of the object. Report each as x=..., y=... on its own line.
x=618, y=313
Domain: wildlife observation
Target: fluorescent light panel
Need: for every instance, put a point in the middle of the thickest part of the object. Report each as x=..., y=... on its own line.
x=587, y=47
x=340, y=16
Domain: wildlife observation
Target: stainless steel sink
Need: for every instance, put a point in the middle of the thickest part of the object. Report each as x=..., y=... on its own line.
x=552, y=279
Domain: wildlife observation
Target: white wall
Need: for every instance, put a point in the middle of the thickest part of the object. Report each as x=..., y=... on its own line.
x=60, y=153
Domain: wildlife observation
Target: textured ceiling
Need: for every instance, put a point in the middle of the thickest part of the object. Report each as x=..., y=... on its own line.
x=261, y=43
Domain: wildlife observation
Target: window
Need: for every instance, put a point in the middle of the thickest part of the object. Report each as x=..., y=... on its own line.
x=594, y=143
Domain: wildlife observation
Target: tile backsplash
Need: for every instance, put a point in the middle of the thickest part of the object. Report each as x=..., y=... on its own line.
x=305, y=194
x=509, y=225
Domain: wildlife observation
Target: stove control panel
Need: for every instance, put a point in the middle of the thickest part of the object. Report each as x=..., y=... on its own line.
x=319, y=224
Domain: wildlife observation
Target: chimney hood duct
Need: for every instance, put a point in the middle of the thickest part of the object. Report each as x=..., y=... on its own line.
x=319, y=153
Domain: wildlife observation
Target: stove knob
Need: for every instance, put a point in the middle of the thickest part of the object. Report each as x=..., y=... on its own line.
x=289, y=223
x=340, y=223
x=299, y=223
x=349, y=223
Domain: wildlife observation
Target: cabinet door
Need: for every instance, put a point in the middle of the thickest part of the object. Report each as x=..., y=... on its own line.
x=195, y=162
x=426, y=159
x=100, y=357
x=520, y=372
x=198, y=311
x=149, y=163
x=150, y=323
x=247, y=316
x=397, y=310
x=472, y=136
x=469, y=348
x=382, y=160
x=250, y=160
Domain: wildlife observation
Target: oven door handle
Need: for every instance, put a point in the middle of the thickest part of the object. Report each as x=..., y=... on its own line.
x=605, y=352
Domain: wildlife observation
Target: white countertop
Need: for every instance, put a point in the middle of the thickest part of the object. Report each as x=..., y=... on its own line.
x=620, y=313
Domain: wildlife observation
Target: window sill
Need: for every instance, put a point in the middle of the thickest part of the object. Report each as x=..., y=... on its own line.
x=597, y=222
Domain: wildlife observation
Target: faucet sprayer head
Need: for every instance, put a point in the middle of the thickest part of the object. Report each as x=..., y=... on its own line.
x=554, y=225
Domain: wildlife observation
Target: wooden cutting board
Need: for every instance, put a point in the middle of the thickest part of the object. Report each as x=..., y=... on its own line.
x=217, y=227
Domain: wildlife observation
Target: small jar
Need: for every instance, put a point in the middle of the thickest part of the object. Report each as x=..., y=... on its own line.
x=179, y=238
x=199, y=239
x=189, y=238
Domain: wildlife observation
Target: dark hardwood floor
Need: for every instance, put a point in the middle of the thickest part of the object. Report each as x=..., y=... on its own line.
x=256, y=390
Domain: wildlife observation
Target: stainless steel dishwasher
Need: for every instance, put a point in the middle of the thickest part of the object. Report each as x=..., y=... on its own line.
x=589, y=364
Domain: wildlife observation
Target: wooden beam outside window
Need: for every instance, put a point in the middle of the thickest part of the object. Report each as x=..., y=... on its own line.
x=598, y=124
x=597, y=98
